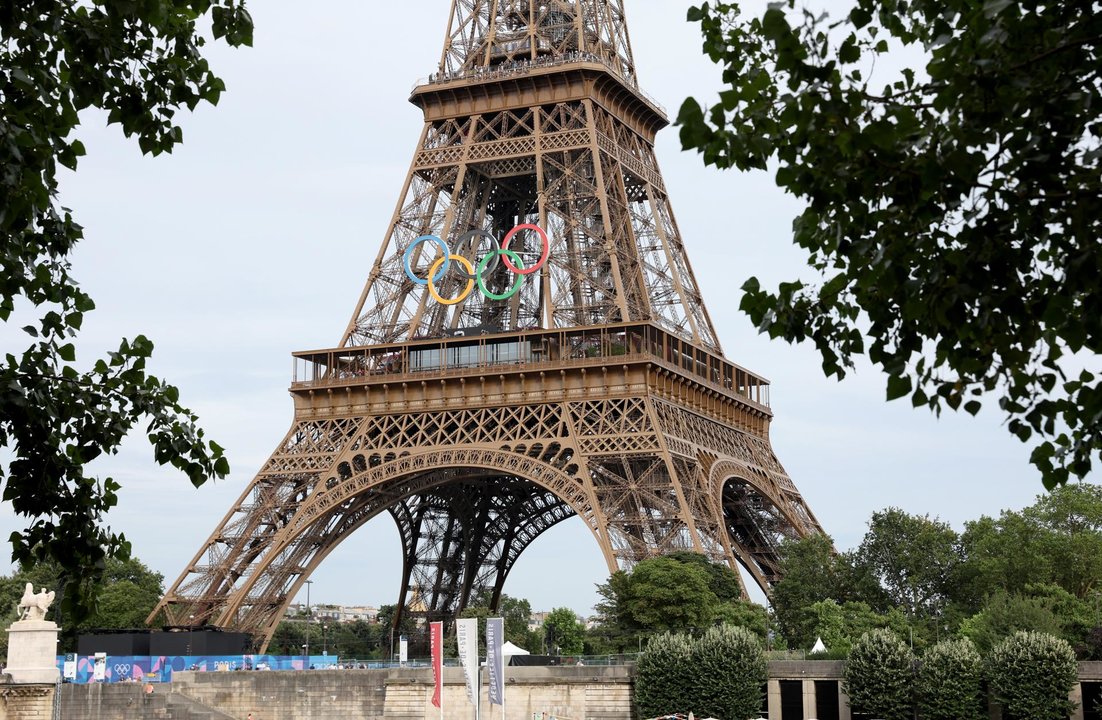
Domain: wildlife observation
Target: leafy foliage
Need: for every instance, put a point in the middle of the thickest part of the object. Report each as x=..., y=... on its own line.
x=879, y=675
x=813, y=573
x=720, y=674
x=139, y=63
x=122, y=599
x=1005, y=614
x=745, y=614
x=950, y=682
x=1031, y=675
x=839, y=626
x=913, y=558
x=664, y=676
x=1035, y=569
x=564, y=634
x=953, y=212
x=731, y=672
x=1057, y=540
x=682, y=591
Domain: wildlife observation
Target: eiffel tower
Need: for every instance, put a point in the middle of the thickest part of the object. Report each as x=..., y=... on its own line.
x=583, y=377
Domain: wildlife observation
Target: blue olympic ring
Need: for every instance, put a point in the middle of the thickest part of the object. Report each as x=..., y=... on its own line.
x=473, y=276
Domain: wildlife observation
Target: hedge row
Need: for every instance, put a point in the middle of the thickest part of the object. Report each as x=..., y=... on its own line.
x=1030, y=674
x=721, y=674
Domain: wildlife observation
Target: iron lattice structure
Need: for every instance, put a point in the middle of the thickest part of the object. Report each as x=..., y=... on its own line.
x=599, y=390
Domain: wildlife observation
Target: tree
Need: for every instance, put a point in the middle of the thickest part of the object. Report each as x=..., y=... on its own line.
x=663, y=593
x=516, y=612
x=140, y=63
x=839, y=626
x=1057, y=540
x=745, y=614
x=665, y=676
x=720, y=674
x=564, y=634
x=811, y=572
x=808, y=575
x=1031, y=675
x=950, y=682
x=953, y=210
x=878, y=676
x=122, y=600
x=722, y=580
x=730, y=673
x=676, y=592
x=913, y=558
x=1039, y=608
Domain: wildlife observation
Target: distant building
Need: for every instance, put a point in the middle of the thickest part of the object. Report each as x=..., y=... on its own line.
x=335, y=613
x=536, y=620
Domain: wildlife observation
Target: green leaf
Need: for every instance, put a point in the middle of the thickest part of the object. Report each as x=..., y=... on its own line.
x=898, y=386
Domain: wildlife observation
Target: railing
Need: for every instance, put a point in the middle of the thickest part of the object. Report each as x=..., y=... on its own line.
x=530, y=350
x=523, y=67
x=425, y=662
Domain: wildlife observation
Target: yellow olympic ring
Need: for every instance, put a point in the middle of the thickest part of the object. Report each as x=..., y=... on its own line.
x=470, y=283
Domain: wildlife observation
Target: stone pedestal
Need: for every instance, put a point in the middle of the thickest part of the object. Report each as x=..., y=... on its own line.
x=32, y=652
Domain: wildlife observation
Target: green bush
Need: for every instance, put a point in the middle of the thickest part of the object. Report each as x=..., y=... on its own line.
x=665, y=678
x=879, y=676
x=721, y=674
x=731, y=673
x=1031, y=675
x=950, y=682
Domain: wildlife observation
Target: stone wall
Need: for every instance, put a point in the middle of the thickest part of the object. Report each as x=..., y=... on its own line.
x=569, y=693
x=574, y=693
x=26, y=702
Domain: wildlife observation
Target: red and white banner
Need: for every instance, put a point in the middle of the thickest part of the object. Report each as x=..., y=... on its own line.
x=436, y=631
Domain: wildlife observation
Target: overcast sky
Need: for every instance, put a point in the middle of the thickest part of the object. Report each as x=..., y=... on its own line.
x=254, y=239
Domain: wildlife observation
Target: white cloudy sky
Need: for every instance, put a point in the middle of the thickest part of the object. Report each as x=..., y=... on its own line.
x=254, y=239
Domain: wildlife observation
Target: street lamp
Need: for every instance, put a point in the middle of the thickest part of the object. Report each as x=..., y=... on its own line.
x=190, y=630
x=325, y=640
x=309, y=616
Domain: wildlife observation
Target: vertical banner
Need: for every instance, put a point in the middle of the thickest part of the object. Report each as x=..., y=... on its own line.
x=466, y=635
x=403, y=649
x=99, y=670
x=436, y=633
x=495, y=660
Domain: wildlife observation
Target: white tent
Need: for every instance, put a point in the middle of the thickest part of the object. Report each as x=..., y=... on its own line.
x=819, y=646
x=510, y=649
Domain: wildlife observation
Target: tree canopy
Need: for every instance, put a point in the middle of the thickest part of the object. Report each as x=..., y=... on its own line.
x=953, y=209
x=1037, y=569
x=138, y=63
x=679, y=592
x=122, y=599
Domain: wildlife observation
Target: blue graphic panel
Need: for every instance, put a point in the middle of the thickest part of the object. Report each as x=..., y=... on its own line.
x=122, y=668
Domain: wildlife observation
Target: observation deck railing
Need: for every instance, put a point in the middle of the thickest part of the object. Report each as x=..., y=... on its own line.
x=525, y=350
x=523, y=67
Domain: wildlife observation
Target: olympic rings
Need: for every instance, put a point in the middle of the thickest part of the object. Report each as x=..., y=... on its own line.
x=470, y=283
x=546, y=248
x=466, y=269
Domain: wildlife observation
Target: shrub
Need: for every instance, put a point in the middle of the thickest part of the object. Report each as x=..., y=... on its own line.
x=664, y=678
x=950, y=682
x=731, y=673
x=1031, y=675
x=878, y=676
x=720, y=674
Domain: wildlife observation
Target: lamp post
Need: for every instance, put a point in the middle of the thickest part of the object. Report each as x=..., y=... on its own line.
x=325, y=640
x=190, y=631
x=309, y=617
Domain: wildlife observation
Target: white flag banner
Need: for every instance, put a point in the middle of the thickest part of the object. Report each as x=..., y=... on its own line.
x=466, y=634
x=495, y=659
